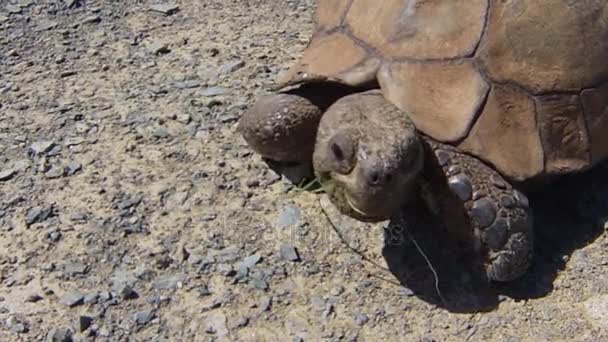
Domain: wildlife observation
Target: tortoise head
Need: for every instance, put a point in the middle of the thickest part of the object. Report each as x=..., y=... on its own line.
x=367, y=156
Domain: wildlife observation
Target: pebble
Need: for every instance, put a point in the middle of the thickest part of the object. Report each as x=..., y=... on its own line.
x=361, y=319
x=288, y=217
x=166, y=9
x=37, y=214
x=83, y=323
x=59, y=335
x=72, y=299
x=33, y=298
x=289, y=252
x=171, y=282
x=231, y=67
x=54, y=172
x=91, y=298
x=75, y=268
x=213, y=91
x=72, y=168
x=91, y=19
x=7, y=174
x=251, y=260
x=189, y=84
x=259, y=284
x=125, y=291
x=41, y=147
x=226, y=270
x=67, y=73
x=161, y=132
x=159, y=48
x=144, y=317
x=265, y=303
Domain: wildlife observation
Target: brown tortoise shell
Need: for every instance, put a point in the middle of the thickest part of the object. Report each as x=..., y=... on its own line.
x=521, y=84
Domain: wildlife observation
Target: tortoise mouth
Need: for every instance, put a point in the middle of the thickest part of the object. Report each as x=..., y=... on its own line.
x=343, y=201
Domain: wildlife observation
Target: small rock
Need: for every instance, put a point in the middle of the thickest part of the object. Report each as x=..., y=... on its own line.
x=144, y=317
x=125, y=291
x=13, y=9
x=91, y=20
x=241, y=322
x=33, y=298
x=91, y=298
x=41, y=147
x=21, y=165
x=169, y=283
x=72, y=168
x=404, y=291
x=289, y=252
x=213, y=91
x=251, y=260
x=159, y=48
x=83, y=323
x=288, y=217
x=259, y=284
x=183, y=118
x=67, y=73
x=161, y=132
x=20, y=328
x=54, y=172
x=203, y=290
x=6, y=174
x=72, y=299
x=59, y=335
x=231, y=67
x=37, y=214
x=265, y=303
x=75, y=268
x=226, y=270
x=361, y=319
x=216, y=324
x=189, y=84
x=166, y=9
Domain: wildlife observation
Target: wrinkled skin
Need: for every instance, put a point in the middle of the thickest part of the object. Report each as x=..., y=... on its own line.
x=373, y=162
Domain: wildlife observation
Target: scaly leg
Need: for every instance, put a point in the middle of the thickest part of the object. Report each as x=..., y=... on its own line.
x=479, y=204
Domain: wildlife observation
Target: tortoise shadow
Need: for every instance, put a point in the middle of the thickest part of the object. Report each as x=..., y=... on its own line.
x=568, y=215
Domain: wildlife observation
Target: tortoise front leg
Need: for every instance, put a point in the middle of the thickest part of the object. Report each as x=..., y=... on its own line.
x=494, y=215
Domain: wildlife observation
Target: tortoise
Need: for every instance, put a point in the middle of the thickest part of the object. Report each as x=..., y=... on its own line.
x=464, y=105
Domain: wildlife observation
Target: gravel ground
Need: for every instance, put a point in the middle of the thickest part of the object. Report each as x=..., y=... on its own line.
x=131, y=210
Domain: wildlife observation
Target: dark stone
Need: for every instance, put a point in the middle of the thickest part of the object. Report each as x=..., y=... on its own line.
x=59, y=335
x=144, y=317
x=289, y=252
x=84, y=322
x=72, y=299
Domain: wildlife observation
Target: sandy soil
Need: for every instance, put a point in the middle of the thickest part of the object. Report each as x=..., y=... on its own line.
x=130, y=209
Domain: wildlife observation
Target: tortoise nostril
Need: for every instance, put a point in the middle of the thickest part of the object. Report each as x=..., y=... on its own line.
x=378, y=178
x=388, y=177
x=374, y=178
